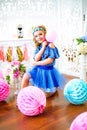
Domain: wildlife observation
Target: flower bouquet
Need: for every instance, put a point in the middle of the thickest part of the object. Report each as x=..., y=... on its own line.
x=82, y=56
x=18, y=69
x=82, y=45
x=15, y=71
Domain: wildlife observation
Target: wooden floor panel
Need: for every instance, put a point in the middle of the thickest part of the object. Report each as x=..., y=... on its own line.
x=58, y=114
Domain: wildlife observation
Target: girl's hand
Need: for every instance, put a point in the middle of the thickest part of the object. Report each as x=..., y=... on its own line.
x=34, y=63
x=44, y=44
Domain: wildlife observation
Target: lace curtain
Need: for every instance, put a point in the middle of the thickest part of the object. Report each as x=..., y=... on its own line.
x=70, y=26
x=28, y=13
x=65, y=16
x=85, y=17
x=70, y=20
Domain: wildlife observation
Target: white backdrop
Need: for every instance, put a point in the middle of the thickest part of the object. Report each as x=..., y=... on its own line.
x=65, y=16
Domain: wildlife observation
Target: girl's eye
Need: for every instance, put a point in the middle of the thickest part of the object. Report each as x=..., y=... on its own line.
x=40, y=34
x=37, y=35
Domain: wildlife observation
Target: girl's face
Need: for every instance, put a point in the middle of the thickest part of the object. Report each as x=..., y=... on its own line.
x=39, y=36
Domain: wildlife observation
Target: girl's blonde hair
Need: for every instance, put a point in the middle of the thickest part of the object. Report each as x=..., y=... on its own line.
x=42, y=28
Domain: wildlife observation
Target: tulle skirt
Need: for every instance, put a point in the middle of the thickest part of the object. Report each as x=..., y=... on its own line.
x=47, y=78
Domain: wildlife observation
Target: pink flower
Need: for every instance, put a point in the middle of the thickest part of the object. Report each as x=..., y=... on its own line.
x=16, y=73
x=9, y=70
x=13, y=63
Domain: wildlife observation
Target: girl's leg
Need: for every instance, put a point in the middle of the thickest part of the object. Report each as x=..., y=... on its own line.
x=25, y=80
x=49, y=94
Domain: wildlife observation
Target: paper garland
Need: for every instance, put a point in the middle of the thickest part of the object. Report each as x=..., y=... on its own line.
x=9, y=53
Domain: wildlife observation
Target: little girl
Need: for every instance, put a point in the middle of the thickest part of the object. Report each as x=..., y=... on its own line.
x=43, y=73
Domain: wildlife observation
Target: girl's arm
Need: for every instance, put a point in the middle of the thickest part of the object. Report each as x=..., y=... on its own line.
x=44, y=62
x=40, y=53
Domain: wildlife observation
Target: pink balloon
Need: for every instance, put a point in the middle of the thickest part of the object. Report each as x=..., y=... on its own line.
x=51, y=36
x=31, y=101
x=80, y=122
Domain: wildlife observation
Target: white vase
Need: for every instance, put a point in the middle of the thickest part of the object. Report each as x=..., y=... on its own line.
x=16, y=86
x=83, y=66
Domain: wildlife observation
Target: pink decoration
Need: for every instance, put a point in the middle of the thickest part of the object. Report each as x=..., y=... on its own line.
x=51, y=36
x=4, y=90
x=80, y=122
x=2, y=54
x=26, y=57
x=31, y=101
x=1, y=74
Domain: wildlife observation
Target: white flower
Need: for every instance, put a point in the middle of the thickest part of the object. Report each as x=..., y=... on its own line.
x=82, y=45
x=82, y=48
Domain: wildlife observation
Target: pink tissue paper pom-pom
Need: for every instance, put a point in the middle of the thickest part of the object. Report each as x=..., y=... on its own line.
x=4, y=89
x=80, y=122
x=1, y=74
x=31, y=101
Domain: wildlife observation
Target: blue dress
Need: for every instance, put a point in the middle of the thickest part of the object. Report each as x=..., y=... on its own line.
x=47, y=77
